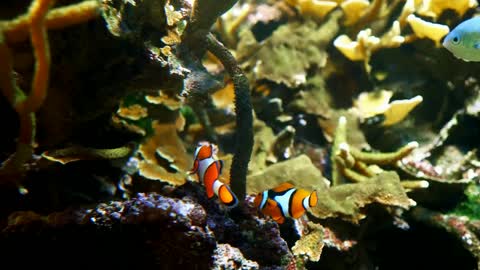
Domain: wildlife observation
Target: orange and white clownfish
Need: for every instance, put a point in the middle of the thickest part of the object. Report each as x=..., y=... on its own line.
x=285, y=201
x=208, y=170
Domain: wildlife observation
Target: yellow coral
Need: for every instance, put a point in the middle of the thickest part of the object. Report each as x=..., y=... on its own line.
x=164, y=144
x=354, y=9
x=133, y=112
x=359, y=49
x=314, y=8
x=399, y=109
x=374, y=103
x=433, y=31
x=366, y=43
x=434, y=8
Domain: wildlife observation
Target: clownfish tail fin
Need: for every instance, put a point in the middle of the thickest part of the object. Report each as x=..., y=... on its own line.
x=226, y=196
x=313, y=199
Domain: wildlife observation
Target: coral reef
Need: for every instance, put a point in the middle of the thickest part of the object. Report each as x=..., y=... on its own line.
x=104, y=101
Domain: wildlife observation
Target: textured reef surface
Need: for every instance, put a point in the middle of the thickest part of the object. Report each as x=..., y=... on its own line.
x=186, y=134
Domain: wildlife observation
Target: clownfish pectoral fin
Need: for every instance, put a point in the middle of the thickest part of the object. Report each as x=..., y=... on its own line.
x=219, y=166
x=280, y=220
x=195, y=167
x=226, y=196
x=282, y=187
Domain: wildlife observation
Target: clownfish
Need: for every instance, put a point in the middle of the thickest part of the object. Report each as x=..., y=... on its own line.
x=285, y=201
x=208, y=170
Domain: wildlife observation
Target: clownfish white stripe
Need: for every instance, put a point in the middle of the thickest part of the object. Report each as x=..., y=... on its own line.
x=264, y=199
x=197, y=150
x=216, y=186
x=203, y=166
x=284, y=201
x=306, y=202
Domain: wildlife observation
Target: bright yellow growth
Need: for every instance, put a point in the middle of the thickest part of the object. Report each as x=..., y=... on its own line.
x=314, y=8
x=374, y=103
x=354, y=9
x=433, y=31
x=434, y=8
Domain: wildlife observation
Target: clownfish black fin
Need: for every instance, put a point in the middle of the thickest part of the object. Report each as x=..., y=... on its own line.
x=219, y=166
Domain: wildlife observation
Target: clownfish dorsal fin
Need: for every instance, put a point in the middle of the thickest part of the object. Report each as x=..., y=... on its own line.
x=283, y=186
x=194, y=167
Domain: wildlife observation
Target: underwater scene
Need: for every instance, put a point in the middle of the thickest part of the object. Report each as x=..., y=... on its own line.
x=240, y=134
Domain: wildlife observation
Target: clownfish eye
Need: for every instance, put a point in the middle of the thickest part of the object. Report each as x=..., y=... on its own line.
x=455, y=40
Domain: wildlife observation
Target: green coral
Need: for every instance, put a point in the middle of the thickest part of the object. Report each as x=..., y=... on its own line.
x=292, y=49
x=470, y=207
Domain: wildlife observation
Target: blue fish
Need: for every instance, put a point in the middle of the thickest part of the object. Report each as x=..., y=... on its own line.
x=464, y=40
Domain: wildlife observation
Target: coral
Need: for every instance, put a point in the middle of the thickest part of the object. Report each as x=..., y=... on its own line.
x=367, y=42
x=263, y=141
x=226, y=257
x=370, y=104
x=459, y=226
x=166, y=144
x=356, y=165
x=310, y=244
x=298, y=170
x=315, y=99
x=258, y=239
x=354, y=10
x=347, y=200
x=434, y=8
x=469, y=207
x=133, y=112
x=183, y=240
x=317, y=9
x=76, y=153
x=292, y=49
x=282, y=148
x=433, y=31
x=35, y=23
x=244, y=117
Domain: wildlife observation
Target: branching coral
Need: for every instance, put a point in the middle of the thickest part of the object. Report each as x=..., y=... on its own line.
x=197, y=40
x=356, y=165
x=367, y=42
x=370, y=104
x=35, y=22
x=244, y=120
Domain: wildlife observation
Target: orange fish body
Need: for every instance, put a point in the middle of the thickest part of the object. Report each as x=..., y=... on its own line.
x=208, y=170
x=285, y=201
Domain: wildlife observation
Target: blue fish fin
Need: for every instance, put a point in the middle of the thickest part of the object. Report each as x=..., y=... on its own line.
x=476, y=45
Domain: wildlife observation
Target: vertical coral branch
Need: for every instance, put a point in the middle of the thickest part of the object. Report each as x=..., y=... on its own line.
x=17, y=30
x=204, y=15
x=35, y=24
x=244, y=117
x=6, y=71
x=38, y=31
